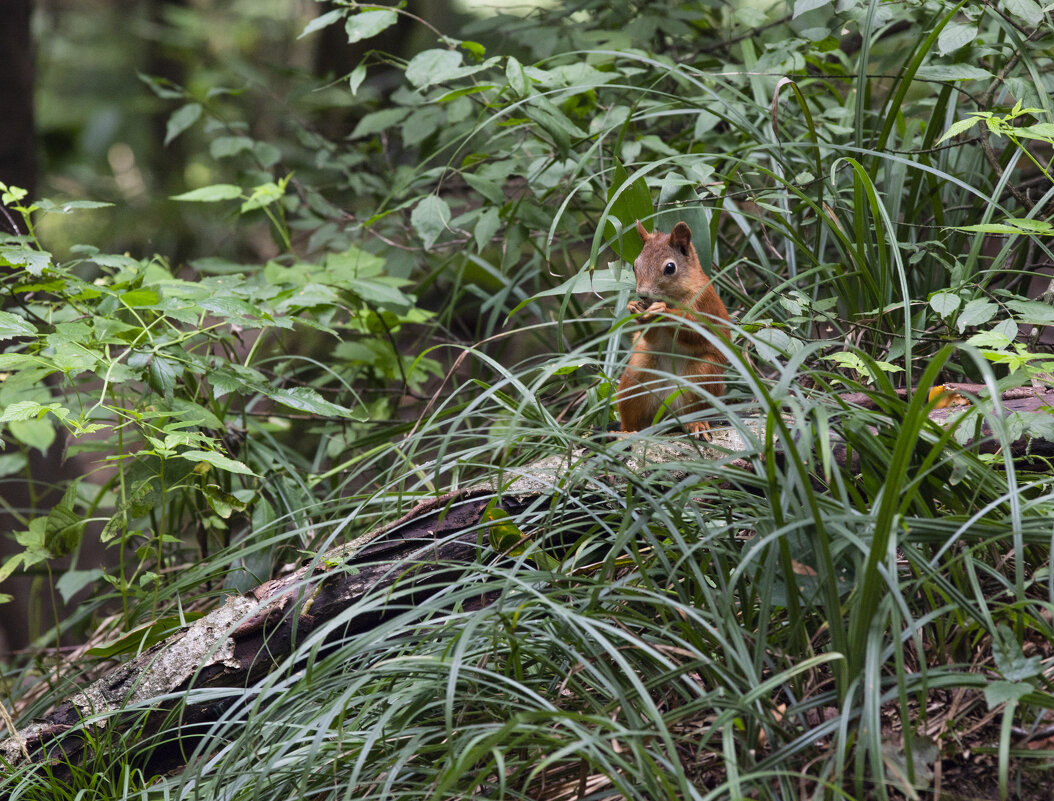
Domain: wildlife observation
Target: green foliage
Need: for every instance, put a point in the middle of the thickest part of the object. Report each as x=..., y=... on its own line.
x=444, y=305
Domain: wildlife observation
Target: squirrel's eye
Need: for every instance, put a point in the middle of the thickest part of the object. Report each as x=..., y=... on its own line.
x=669, y=268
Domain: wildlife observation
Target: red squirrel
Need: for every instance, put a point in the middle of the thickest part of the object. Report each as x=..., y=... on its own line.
x=671, y=287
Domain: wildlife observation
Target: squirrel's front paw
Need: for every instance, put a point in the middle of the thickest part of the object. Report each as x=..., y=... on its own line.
x=637, y=306
x=699, y=430
x=647, y=311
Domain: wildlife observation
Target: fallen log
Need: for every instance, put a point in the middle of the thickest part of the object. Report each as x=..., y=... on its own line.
x=250, y=635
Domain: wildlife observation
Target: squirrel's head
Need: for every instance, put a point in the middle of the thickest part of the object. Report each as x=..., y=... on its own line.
x=668, y=267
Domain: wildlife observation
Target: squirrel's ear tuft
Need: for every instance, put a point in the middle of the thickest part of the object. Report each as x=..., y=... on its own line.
x=644, y=235
x=681, y=237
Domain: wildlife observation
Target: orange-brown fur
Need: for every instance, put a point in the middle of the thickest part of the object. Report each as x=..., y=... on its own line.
x=667, y=345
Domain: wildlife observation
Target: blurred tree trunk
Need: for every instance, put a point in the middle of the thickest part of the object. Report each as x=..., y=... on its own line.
x=18, y=161
x=18, y=167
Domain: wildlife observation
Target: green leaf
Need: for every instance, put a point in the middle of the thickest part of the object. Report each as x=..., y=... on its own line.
x=367, y=24
x=137, y=298
x=953, y=72
x=73, y=581
x=307, y=400
x=11, y=463
x=39, y=434
x=1005, y=692
x=377, y=293
x=378, y=121
x=959, y=127
x=1031, y=311
x=358, y=75
x=11, y=325
x=181, y=119
x=1027, y=10
x=35, y=261
x=944, y=303
x=433, y=66
x=989, y=339
x=226, y=146
x=597, y=282
x=805, y=6
x=63, y=526
x=1043, y=131
x=976, y=312
x=322, y=21
x=210, y=194
x=217, y=459
x=163, y=375
x=430, y=219
x=1007, y=328
x=633, y=202
x=1010, y=658
x=486, y=226
x=29, y=410
x=263, y=195
x=140, y=639
x=223, y=503
x=517, y=78
x=10, y=565
x=954, y=36
x=503, y=534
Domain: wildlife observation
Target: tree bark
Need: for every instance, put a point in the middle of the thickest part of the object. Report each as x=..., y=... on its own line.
x=18, y=159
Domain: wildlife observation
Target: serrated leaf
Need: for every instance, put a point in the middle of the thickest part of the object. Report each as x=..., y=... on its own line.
x=20, y=410
x=163, y=374
x=322, y=21
x=262, y=195
x=11, y=325
x=35, y=261
x=63, y=526
x=954, y=36
x=944, y=303
x=959, y=127
x=989, y=339
x=210, y=194
x=976, y=312
x=433, y=66
x=367, y=24
x=217, y=459
x=430, y=219
x=181, y=119
x=1031, y=311
x=1004, y=692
